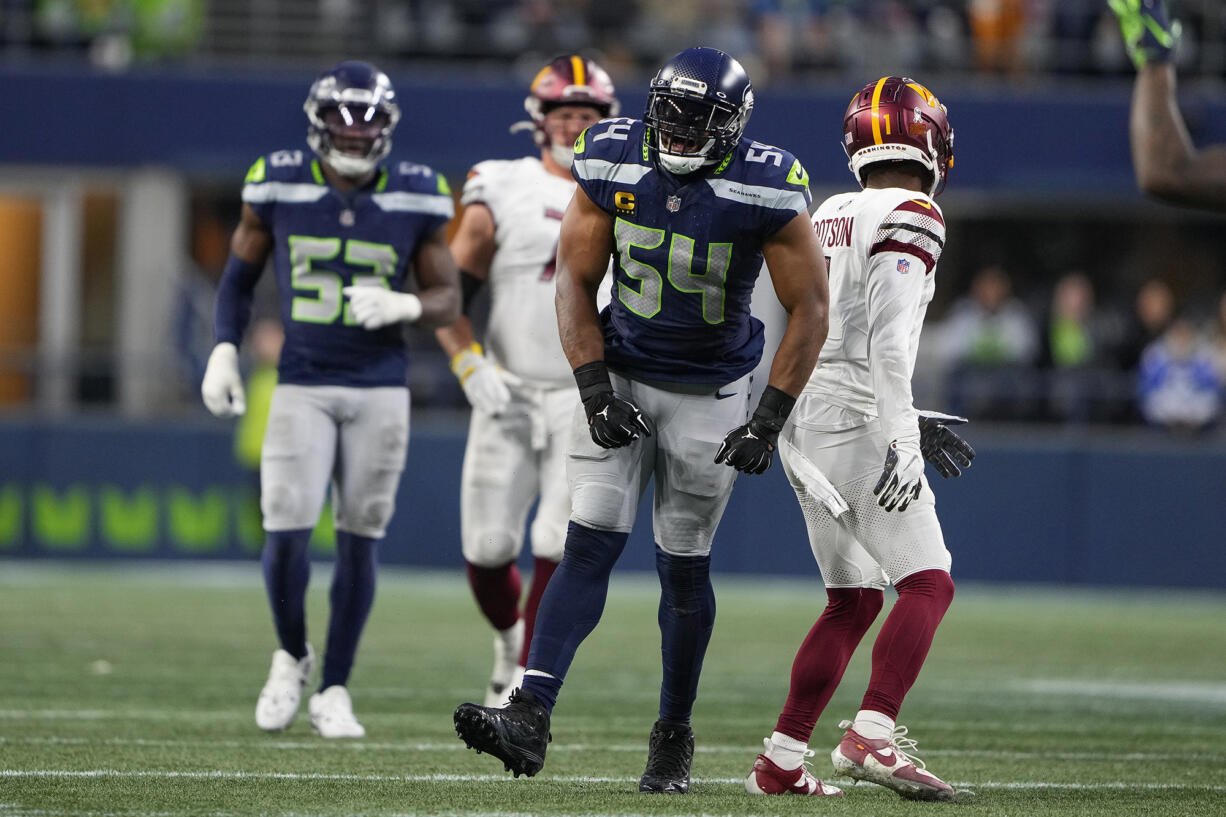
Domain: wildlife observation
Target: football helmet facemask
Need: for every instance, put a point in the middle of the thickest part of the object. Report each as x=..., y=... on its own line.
x=896, y=119
x=352, y=112
x=697, y=107
x=566, y=80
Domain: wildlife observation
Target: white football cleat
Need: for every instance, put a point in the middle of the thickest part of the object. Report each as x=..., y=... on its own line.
x=889, y=762
x=282, y=693
x=507, y=646
x=332, y=714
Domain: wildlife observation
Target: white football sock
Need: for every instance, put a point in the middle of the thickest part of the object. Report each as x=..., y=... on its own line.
x=786, y=752
x=873, y=725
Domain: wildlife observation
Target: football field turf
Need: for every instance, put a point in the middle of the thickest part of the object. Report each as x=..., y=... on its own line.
x=128, y=690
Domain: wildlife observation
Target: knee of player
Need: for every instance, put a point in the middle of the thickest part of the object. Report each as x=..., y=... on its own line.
x=490, y=548
x=600, y=506
x=936, y=584
x=281, y=502
x=372, y=514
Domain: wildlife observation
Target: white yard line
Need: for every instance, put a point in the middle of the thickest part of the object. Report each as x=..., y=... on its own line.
x=264, y=742
x=483, y=778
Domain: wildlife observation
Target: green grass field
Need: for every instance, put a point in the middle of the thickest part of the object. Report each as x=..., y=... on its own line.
x=128, y=691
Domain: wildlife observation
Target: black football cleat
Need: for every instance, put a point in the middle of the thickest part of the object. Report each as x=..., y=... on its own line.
x=669, y=753
x=517, y=734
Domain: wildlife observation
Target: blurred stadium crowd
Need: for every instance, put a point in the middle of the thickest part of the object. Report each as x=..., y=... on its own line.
x=1042, y=316
x=777, y=40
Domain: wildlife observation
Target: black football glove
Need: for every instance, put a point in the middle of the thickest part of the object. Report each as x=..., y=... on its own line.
x=751, y=448
x=945, y=450
x=613, y=421
x=901, y=478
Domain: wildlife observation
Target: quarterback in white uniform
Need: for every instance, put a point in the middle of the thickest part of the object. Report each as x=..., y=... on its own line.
x=855, y=449
x=520, y=385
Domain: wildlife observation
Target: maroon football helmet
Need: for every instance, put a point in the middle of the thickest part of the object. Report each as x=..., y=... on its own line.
x=568, y=80
x=895, y=119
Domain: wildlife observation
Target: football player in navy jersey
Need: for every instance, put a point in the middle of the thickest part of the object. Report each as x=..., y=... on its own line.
x=1168, y=166
x=343, y=230
x=855, y=450
x=688, y=208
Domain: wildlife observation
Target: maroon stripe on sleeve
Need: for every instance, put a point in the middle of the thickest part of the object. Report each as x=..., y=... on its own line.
x=892, y=245
x=923, y=208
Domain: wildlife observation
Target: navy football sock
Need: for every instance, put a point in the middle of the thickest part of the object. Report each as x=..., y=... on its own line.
x=571, y=606
x=352, y=594
x=287, y=571
x=687, y=616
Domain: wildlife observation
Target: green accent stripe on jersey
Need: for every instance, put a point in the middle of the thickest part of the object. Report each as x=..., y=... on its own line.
x=257, y=172
x=317, y=172
x=797, y=175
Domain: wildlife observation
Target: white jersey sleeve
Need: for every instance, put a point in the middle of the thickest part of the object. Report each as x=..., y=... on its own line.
x=881, y=248
x=527, y=203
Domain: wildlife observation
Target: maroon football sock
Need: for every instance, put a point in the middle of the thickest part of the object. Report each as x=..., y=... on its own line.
x=497, y=590
x=542, y=569
x=902, y=645
x=823, y=657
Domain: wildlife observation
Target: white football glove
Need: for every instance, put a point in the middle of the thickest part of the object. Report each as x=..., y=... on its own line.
x=481, y=379
x=377, y=306
x=901, y=478
x=222, y=387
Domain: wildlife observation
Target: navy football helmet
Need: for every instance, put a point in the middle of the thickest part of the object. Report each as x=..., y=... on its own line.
x=352, y=112
x=697, y=107
x=896, y=119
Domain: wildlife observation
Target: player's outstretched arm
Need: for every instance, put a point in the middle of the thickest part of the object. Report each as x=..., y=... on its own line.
x=473, y=247
x=798, y=272
x=1168, y=166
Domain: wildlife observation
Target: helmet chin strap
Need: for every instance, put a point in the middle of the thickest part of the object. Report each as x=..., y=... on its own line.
x=351, y=167
x=563, y=155
x=681, y=165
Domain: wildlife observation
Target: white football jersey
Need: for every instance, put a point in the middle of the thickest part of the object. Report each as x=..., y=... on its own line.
x=527, y=203
x=882, y=248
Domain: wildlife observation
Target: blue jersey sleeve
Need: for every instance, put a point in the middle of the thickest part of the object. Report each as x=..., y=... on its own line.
x=408, y=187
x=609, y=156
x=769, y=180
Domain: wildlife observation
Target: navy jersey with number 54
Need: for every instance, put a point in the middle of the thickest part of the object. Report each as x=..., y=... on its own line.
x=687, y=252
x=325, y=240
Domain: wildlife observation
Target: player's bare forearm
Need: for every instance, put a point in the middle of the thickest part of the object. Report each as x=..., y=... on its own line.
x=438, y=281
x=1168, y=166
x=798, y=272
x=584, y=247
x=456, y=337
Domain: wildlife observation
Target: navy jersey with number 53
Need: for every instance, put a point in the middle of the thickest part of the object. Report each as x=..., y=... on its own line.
x=325, y=240
x=688, y=250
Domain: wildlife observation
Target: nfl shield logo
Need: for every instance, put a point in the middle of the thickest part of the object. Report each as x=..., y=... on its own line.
x=904, y=266
x=673, y=204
